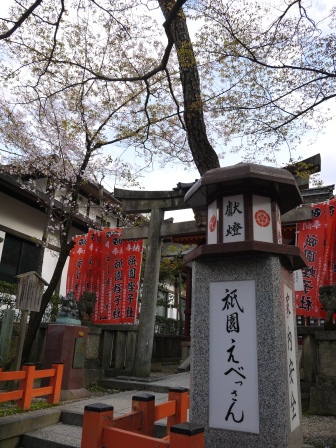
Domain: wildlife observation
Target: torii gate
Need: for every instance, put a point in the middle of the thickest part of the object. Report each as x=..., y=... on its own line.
x=155, y=202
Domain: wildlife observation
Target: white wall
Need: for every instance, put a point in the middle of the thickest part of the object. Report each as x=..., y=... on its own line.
x=64, y=277
x=29, y=221
x=82, y=205
x=49, y=264
x=21, y=217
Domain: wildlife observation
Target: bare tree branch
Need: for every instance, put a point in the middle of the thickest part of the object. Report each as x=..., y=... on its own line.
x=20, y=20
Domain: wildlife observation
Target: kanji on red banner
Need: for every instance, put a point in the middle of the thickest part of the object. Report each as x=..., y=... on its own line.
x=77, y=267
x=132, y=263
x=104, y=263
x=316, y=238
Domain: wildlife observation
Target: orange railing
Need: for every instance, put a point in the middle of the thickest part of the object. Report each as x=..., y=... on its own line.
x=136, y=429
x=26, y=390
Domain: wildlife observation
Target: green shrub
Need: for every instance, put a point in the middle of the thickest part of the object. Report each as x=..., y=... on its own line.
x=7, y=297
x=165, y=325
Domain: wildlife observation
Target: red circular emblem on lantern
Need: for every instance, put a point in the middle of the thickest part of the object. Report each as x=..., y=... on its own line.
x=262, y=218
x=212, y=223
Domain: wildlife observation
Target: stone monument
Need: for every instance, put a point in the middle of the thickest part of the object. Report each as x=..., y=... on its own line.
x=323, y=395
x=244, y=369
x=66, y=343
x=327, y=296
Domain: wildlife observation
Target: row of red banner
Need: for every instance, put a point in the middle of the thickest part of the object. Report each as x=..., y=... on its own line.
x=317, y=240
x=104, y=263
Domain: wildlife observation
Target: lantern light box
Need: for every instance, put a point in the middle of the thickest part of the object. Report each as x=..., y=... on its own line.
x=243, y=204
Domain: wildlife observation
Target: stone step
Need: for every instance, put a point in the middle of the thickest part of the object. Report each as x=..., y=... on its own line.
x=54, y=436
x=111, y=373
x=66, y=434
x=72, y=418
x=13, y=426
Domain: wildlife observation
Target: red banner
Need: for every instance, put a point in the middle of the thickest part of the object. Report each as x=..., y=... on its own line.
x=316, y=238
x=104, y=263
x=77, y=266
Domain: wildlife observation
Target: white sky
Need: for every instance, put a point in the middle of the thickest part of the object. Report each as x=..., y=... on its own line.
x=167, y=178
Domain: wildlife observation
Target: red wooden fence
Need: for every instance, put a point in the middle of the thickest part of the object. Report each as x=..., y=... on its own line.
x=136, y=429
x=26, y=390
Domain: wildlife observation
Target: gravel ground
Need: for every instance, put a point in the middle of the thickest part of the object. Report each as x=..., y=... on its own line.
x=319, y=431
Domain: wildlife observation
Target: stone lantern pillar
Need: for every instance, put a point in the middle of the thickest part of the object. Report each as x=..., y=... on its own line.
x=244, y=372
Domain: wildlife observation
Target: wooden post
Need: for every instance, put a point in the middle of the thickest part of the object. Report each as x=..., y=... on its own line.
x=6, y=335
x=146, y=404
x=96, y=417
x=28, y=298
x=22, y=335
x=26, y=386
x=180, y=395
x=56, y=383
x=120, y=350
x=187, y=435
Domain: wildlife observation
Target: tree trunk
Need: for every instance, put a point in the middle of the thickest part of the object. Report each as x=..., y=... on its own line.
x=65, y=247
x=202, y=151
x=36, y=317
x=143, y=356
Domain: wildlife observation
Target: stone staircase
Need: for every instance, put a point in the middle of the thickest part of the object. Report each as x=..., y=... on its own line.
x=60, y=426
x=65, y=433
x=62, y=429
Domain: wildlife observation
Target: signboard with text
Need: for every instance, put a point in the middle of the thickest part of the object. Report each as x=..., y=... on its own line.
x=30, y=291
x=316, y=238
x=103, y=262
x=293, y=394
x=233, y=219
x=233, y=375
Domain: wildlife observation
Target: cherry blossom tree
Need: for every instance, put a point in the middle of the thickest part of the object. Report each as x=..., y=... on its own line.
x=252, y=74
x=119, y=43
x=62, y=139
x=273, y=72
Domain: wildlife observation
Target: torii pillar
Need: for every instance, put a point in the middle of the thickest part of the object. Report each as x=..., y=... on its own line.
x=155, y=202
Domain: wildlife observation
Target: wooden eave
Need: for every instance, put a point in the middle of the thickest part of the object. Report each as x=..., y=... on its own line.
x=14, y=189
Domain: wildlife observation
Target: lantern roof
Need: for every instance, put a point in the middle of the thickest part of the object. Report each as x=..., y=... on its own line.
x=277, y=183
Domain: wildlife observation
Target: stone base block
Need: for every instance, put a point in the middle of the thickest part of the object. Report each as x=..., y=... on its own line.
x=326, y=381
x=322, y=401
x=74, y=394
x=92, y=376
x=186, y=345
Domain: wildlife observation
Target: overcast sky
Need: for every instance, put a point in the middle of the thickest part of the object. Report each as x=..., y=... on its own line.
x=167, y=178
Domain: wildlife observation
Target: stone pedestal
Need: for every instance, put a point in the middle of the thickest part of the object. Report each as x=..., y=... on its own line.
x=260, y=408
x=245, y=374
x=66, y=344
x=185, y=349
x=323, y=396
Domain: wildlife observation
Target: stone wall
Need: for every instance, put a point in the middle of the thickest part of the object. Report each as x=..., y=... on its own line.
x=107, y=347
